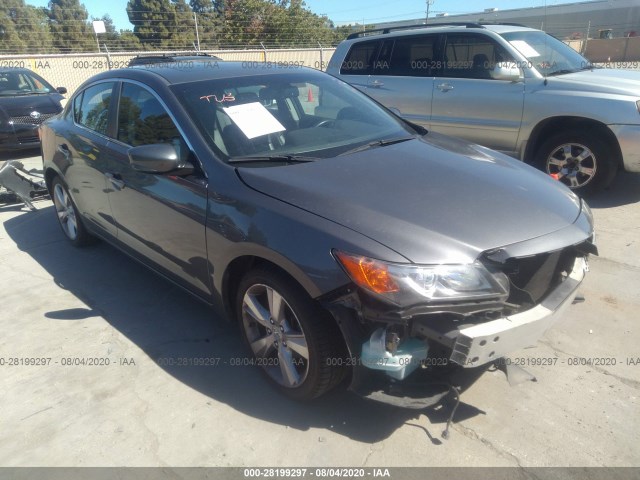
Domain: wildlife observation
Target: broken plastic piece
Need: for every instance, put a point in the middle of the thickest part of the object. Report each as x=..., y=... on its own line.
x=407, y=358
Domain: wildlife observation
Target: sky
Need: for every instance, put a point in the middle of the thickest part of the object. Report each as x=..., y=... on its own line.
x=341, y=11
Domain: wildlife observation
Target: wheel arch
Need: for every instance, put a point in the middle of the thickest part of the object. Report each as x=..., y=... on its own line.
x=553, y=125
x=49, y=175
x=241, y=265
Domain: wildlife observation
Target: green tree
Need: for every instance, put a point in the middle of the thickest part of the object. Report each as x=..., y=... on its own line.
x=25, y=28
x=275, y=23
x=129, y=41
x=342, y=32
x=209, y=22
x=183, y=28
x=166, y=24
x=69, y=26
x=151, y=21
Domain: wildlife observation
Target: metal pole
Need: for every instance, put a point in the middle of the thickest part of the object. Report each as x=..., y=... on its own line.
x=429, y=3
x=195, y=19
x=97, y=43
x=106, y=49
x=264, y=51
x=586, y=40
x=321, y=57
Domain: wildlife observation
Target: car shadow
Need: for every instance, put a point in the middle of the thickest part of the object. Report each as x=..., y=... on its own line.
x=169, y=325
x=624, y=190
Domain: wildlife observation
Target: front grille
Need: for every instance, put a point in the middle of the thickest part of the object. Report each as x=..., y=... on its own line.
x=28, y=120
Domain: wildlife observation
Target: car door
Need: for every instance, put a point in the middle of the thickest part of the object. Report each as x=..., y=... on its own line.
x=402, y=77
x=81, y=153
x=467, y=102
x=160, y=217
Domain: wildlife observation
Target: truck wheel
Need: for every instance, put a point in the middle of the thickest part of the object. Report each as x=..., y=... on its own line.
x=582, y=161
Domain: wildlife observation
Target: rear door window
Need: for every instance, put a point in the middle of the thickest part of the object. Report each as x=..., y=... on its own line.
x=407, y=56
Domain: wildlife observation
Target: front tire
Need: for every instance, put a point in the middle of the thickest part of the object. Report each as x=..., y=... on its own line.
x=581, y=160
x=68, y=216
x=291, y=338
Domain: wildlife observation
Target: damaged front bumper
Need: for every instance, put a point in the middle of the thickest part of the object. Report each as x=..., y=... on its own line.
x=457, y=350
x=486, y=342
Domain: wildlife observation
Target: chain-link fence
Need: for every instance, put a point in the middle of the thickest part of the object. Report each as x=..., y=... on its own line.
x=71, y=70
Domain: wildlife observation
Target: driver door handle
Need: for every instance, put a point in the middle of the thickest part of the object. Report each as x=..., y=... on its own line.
x=377, y=84
x=116, y=180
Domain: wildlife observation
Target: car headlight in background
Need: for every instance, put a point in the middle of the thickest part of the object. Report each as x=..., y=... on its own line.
x=410, y=284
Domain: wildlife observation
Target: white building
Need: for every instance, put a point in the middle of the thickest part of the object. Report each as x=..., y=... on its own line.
x=569, y=20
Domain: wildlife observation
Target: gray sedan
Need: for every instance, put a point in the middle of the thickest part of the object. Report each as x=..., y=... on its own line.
x=344, y=241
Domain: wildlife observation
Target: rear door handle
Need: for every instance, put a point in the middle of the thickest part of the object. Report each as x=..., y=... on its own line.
x=116, y=180
x=444, y=87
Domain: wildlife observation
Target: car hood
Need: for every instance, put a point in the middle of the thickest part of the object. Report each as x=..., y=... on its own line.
x=432, y=200
x=16, y=106
x=604, y=80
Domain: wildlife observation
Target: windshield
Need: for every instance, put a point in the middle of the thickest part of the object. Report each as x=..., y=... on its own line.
x=297, y=114
x=547, y=54
x=22, y=83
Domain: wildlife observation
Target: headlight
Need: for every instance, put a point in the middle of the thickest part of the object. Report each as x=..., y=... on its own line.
x=409, y=284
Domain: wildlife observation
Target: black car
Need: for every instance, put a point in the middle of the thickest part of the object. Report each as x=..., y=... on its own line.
x=342, y=239
x=26, y=100
x=172, y=60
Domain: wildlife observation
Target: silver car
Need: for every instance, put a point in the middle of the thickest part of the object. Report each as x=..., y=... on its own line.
x=510, y=88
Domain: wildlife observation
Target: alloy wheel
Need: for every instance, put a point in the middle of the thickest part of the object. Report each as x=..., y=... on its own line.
x=573, y=164
x=275, y=335
x=66, y=212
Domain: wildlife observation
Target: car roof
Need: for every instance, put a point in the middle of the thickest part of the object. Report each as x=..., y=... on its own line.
x=197, y=71
x=160, y=58
x=438, y=28
x=14, y=69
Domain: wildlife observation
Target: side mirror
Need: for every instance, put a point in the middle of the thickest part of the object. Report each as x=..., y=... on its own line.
x=61, y=90
x=506, y=71
x=158, y=158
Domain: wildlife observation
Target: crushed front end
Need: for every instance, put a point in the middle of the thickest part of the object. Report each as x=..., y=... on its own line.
x=414, y=331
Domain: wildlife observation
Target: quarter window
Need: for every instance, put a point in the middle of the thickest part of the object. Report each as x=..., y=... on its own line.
x=93, y=110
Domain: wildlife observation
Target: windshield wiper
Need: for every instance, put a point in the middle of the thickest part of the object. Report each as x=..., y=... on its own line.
x=274, y=158
x=377, y=143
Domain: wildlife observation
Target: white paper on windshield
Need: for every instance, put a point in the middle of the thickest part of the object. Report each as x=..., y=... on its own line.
x=253, y=119
x=524, y=48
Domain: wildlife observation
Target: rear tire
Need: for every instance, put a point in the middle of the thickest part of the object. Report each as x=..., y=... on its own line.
x=581, y=160
x=68, y=216
x=291, y=338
